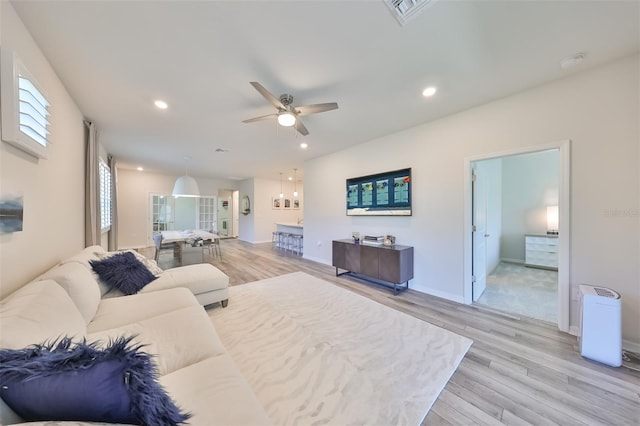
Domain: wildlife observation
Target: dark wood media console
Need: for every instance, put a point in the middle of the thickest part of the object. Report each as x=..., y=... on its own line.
x=387, y=265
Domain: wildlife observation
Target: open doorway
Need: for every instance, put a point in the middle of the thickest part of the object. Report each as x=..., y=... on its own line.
x=227, y=213
x=515, y=256
x=516, y=259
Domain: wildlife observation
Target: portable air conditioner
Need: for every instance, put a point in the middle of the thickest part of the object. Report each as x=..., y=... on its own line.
x=600, y=336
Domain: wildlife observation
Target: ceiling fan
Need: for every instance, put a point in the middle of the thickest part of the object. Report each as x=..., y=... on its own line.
x=288, y=114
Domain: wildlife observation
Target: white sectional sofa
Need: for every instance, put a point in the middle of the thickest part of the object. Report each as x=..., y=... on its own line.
x=194, y=366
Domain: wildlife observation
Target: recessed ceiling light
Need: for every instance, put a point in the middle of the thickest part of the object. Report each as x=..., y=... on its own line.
x=303, y=145
x=139, y=169
x=572, y=61
x=429, y=91
x=161, y=104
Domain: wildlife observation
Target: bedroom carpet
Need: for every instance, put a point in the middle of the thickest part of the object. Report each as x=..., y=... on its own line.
x=315, y=353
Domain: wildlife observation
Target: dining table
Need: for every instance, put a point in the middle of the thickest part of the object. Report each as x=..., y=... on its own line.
x=183, y=236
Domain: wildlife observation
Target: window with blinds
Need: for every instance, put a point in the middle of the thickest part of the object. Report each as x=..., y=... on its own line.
x=34, y=110
x=25, y=108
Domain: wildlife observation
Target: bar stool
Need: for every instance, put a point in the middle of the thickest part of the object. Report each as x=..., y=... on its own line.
x=296, y=244
x=284, y=240
x=275, y=239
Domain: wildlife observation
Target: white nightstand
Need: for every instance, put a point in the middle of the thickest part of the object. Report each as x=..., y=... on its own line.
x=541, y=251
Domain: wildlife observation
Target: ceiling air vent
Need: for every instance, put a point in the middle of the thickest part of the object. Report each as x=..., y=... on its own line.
x=405, y=10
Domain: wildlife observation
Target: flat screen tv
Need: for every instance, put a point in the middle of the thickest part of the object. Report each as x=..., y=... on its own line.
x=382, y=194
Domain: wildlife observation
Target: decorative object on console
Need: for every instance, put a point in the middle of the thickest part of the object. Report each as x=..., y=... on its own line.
x=124, y=272
x=373, y=240
x=389, y=240
x=78, y=381
x=356, y=237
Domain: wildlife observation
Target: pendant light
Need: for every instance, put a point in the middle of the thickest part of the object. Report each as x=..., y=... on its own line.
x=295, y=182
x=186, y=186
x=281, y=193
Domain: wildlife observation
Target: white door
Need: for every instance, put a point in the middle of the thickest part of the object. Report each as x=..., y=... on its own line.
x=161, y=216
x=479, y=232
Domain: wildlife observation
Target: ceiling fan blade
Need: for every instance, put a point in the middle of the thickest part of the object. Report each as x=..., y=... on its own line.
x=264, y=117
x=267, y=95
x=316, y=108
x=300, y=127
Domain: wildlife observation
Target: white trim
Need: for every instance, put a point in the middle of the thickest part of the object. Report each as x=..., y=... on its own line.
x=564, y=238
x=630, y=346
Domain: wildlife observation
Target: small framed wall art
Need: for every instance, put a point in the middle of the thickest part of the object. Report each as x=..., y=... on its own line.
x=276, y=203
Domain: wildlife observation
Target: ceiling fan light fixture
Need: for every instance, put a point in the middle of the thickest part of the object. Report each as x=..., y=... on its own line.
x=286, y=119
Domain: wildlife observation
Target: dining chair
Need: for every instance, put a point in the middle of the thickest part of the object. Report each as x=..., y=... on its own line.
x=212, y=244
x=175, y=247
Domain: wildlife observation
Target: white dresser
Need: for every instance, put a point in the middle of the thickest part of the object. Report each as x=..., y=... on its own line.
x=541, y=251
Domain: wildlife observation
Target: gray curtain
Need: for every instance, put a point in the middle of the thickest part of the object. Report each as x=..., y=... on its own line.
x=91, y=187
x=113, y=233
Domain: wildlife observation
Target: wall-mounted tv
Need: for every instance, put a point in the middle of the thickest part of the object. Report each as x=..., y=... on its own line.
x=382, y=194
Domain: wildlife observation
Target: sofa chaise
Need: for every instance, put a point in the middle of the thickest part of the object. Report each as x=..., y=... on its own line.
x=167, y=317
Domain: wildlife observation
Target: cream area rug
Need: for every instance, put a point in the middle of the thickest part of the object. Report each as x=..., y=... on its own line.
x=317, y=354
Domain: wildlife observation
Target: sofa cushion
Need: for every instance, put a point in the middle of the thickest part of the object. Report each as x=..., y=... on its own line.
x=80, y=284
x=123, y=272
x=215, y=392
x=78, y=381
x=199, y=278
x=39, y=311
x=176, y=339
x=120, y=311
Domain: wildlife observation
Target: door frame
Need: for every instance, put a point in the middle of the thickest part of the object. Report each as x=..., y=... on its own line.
x=564, y=238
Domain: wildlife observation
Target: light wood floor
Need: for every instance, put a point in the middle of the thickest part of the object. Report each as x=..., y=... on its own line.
x=518, y=370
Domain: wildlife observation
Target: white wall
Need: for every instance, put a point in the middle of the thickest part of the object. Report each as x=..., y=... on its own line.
x=597, y=110
x=134, y=188
x=53, y=189
x=263, y=217
x=529, y=185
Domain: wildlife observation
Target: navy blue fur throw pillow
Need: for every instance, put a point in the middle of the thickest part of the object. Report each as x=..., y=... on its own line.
x=63, y=380
x=124, y=272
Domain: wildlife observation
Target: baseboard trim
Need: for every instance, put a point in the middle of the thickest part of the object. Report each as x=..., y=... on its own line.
x=630, y=346
x=509, y=260
x=439, y=293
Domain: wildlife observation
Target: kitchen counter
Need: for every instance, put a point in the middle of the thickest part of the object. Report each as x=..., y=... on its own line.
x=290, y=227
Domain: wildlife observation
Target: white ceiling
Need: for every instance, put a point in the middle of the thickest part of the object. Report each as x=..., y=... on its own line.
x=117, y=57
